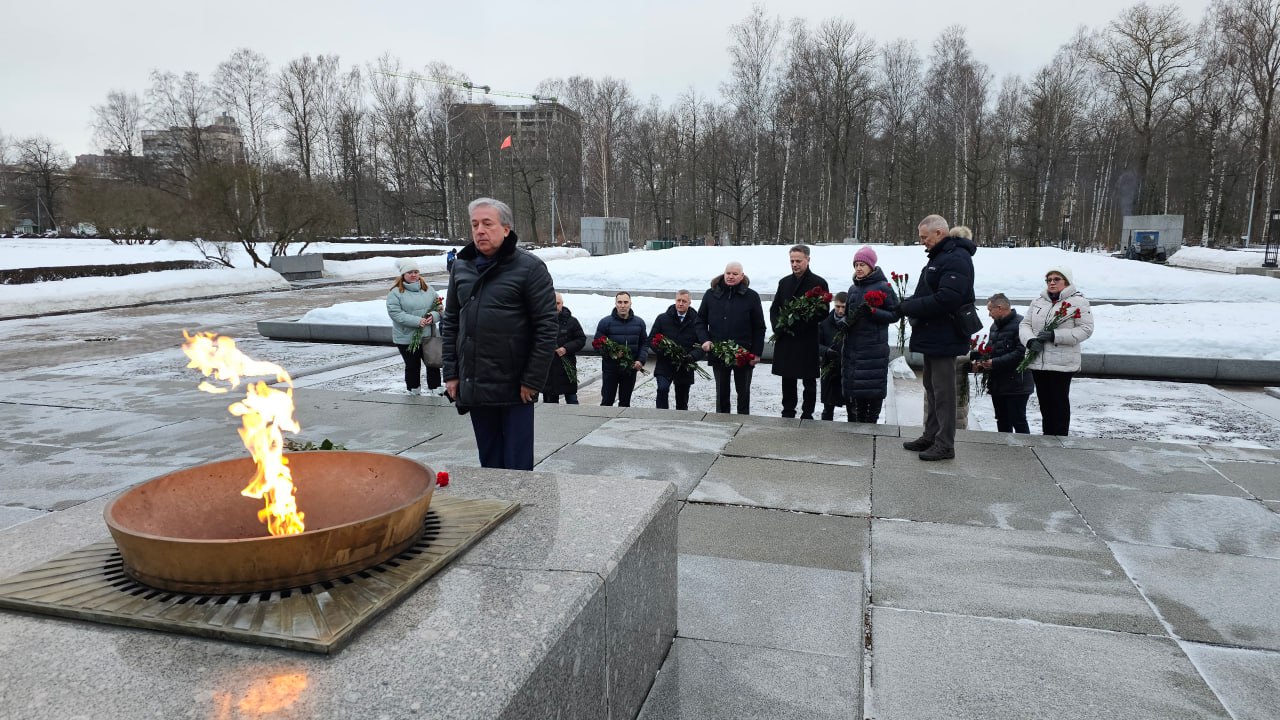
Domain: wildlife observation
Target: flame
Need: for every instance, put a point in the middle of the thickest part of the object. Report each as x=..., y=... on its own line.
x=264, y=414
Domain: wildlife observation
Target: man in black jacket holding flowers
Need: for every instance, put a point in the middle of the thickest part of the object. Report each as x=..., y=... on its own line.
x=795, y=349
x=732, y=312
x=681, y=325
x=627, y=330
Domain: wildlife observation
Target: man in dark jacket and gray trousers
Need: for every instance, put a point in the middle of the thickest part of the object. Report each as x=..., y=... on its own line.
x=499, y=336
x=623, y=327
x=680, y=324
x=1008, y=388
x=732, y=311
x=795, y=352
x=945, y=286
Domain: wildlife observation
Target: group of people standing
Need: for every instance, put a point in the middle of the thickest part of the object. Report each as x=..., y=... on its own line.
x=506, y=336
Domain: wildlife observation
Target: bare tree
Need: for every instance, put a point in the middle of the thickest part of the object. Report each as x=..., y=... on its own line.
x=179, y=108
x=42, y=167
x=305, y=89
x=243, y=85
x=1144, y=55
x=117, y=123
x=753, y=88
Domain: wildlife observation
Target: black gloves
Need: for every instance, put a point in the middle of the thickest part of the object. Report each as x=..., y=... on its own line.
x=1045, y=336
x=831, y=353
x=1035, y=344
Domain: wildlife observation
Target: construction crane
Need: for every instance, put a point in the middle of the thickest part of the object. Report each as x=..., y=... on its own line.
x=469, y=86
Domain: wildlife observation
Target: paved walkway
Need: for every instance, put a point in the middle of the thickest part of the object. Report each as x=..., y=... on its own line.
x=824, y=571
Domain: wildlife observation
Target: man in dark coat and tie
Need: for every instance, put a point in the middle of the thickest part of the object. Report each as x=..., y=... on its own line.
x=795, y=351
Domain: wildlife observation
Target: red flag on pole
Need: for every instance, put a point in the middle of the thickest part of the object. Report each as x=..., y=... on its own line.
x=506, y=143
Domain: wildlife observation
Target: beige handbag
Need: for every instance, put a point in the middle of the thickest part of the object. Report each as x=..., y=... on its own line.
x=433, y=351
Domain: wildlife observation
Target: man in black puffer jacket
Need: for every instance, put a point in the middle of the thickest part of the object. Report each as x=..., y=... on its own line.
x=681, y=325
x=569, y=342
x=1008, y=388
x=732, y=311
x=945, y=286
x=623, y=327
x=499, y=336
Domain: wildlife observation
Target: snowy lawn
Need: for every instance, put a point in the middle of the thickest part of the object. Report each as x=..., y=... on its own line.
x=1201, y=258
x=56, y=252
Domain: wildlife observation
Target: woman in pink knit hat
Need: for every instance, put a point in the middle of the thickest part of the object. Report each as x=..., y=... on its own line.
x=864, y=366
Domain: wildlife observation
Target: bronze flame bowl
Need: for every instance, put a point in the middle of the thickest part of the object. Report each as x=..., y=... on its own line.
x=192, y=531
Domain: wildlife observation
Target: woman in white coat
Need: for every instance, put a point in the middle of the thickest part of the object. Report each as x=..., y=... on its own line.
x=1057, y=351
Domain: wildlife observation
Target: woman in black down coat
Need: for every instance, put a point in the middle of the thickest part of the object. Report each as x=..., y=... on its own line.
x=570, y=339
x=865, y=360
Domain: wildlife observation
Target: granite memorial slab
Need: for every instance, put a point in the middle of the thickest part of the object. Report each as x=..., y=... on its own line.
x=744, y=533
x=800, y=445
x=786, y=485
x=1156, y=472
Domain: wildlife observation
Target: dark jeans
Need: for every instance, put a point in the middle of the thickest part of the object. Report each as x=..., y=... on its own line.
x=741, y=385
x=866, y=411
x=1054, y=391
x=553, y=398
x=617, y=384
x=682, y=392
x=789, y=397
x=1011, y=413
x=504, y=436
x=829, y=411
x=940, y=400
x=413, y=363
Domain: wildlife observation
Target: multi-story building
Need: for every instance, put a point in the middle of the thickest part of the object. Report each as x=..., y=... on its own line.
x=220, y=142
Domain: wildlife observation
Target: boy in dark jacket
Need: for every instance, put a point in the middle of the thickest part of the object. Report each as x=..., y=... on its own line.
x=569, y=342
x=829, y=349
x=681, y=324
x=624, y=328
x=1008, y=388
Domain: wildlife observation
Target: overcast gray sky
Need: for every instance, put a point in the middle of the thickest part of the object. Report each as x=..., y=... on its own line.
x=63, y=57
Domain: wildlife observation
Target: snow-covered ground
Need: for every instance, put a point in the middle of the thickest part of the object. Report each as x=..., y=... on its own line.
x=56, y=252
x=1201, y=258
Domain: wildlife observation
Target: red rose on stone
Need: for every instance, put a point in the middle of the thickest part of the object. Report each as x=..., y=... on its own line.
x=442, y=478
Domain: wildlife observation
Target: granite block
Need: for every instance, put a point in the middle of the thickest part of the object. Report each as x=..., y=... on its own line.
x=1199, y=522
x=786, y=485
x=1246, y=681
x=972, y=460
x=1014, y=574
x=1209, y=597
x=951, y=667
x=801, y=445
x=1247, y=454
x=770, y=536
x=931, y=495
x=985, y=437
x=853, y=428
x=671, y=436
x=760, y=421
x=1133, y=446
x=759, y=604
x=704, y=680
x=685, y=469
x=10, y=516
x=1247, y=370
x=648, y=413
x=71, y=427
x=1185, y=368
x=1262, y=480
x=1151, y=471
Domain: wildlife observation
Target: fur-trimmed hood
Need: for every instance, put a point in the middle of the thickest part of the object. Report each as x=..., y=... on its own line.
x=718, y=281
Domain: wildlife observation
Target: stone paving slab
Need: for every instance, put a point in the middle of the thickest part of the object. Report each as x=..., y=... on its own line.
x=660, y=437
x=10, y=516
x=73, y=427
x=1199, y=522
x=1227, y=452
x=737, y=533
x=1247, y=681
x=704, y=680
x=685, y=469
x=1014, y=574
x=1122, y=445
x=761, y=421
x=653, y=413
x=853, y=428
x=1260, y=479
x=991, y=438
x=1010, y=504
x=787, y=485
x=457, y=449
x=1209, y=597
x=802, y=446
x=1158, y=472
x=954, y=667
x=783, y=607
x=972, y=460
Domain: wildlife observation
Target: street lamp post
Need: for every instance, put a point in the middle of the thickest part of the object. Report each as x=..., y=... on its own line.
x=1248, y=234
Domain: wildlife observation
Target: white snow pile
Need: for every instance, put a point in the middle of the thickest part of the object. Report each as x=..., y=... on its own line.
x=101, y=292
x=1016, y=272
x=385, y=267
x=1202, y=258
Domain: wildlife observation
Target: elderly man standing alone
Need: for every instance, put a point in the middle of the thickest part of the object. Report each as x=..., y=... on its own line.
x=499, y=336
x=795, y=352
x=945, y=286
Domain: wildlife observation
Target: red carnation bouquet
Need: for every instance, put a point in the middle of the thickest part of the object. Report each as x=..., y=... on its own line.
x=678, y=356
x=979, y=351
x=900, y=284
x=1061, y=315
x=619, y=352
x=731, y=353
x=798, y=310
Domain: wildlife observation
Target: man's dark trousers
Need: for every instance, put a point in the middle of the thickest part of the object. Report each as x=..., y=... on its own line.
x=504, y=436
x=940, y=400
x=789, y=397
x=682, y=392
x=617, y=383
x=1011, y=413
x=741, y=385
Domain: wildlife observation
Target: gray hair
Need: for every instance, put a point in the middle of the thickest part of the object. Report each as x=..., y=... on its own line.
x=999, y=300
x=683, y=292
x=504, y=210
x=733, y=265
x=935, y=222
x=802, y=249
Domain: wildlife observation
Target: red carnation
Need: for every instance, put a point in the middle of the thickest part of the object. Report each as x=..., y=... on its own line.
x=826, y=297
x=597, y=343
x=875, y=298
x=442, y=478
x=973, y=343
x=657, y=340
x=1077, y=314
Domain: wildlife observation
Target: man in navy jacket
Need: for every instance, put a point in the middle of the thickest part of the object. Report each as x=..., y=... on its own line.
x=623, y=327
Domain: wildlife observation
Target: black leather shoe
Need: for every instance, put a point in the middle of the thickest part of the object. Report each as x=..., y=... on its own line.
x=938, y=453
x=918, y=444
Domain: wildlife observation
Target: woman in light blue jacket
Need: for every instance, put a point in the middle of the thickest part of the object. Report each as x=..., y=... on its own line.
x=411, y=303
